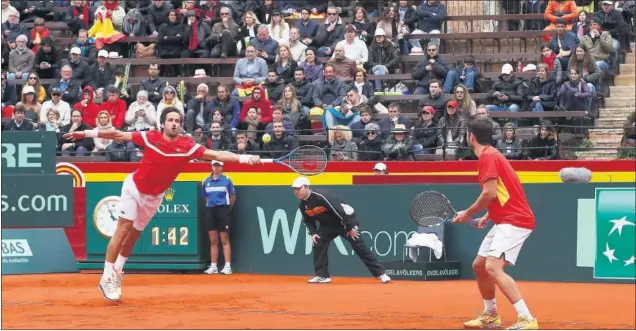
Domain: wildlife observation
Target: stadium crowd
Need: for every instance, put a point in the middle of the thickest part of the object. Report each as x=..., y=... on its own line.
x=282, y=90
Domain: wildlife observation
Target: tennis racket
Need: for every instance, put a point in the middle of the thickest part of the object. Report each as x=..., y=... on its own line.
x=431, y=208
x=306, y=160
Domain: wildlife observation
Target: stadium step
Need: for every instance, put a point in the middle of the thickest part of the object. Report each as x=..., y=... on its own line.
x=611, y=122
x=622, y=90
x=620, y=101
x=627, y=69
x=625, y=80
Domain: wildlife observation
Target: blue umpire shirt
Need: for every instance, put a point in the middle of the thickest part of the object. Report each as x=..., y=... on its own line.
x=217, y=191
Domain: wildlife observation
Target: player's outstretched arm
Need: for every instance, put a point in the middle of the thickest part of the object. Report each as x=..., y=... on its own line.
x=104, y=134
x=223, y=156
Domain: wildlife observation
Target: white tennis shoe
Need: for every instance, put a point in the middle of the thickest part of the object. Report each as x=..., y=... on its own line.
x=226, y=270
x=384, y=278
x=212, y=270
x=320, y=280
x=109, y=289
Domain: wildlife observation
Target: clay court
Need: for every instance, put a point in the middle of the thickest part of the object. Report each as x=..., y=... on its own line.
x=73, y=301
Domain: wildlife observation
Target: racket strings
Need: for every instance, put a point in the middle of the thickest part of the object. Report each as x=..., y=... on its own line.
x=308, y=160
x=431, y=208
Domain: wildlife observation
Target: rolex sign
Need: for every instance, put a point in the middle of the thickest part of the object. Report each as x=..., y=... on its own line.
x=180, y=200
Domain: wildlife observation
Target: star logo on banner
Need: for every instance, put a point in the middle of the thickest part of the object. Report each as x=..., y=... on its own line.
x=609, y=253
x=630, y=261
x=619, y=224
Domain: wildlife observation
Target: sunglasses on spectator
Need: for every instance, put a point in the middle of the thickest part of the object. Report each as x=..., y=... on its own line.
x=459, y=92
x=33, y=78
x=370, y=133
x=168, y=92
x=332, y=14
x=432, y=49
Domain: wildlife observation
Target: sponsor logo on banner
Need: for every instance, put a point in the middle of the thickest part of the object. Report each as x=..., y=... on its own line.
x=172, y=208
x=16, y=251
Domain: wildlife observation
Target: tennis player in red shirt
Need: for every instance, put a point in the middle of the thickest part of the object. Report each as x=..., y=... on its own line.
x=503, y=196
x=166, y=153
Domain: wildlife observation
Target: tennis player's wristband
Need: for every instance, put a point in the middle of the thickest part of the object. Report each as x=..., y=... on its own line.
x=91, y=133
x=245, y=158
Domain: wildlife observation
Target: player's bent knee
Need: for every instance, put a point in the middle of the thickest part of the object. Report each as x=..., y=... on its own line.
x=495, y=266
x=479, y=265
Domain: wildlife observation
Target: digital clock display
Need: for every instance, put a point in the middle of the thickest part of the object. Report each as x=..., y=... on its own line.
x=173, y=236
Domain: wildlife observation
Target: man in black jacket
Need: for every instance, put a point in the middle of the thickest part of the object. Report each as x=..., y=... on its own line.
x=153, y=84
x=336, y=218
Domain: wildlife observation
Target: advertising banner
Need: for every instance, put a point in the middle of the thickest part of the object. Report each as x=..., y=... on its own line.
x=28, y=153
x=35, y=251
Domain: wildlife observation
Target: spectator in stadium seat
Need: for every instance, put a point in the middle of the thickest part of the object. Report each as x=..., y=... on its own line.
x=392, y=119
x=307, y=28
x=6, y=8
x=154, y=84
x=186, y=6
x=4, y=64
x=628, y=10
x=509, y=145
x=290, y=103
x=329, y=33
x=399, y=145
x=31, y=10
x=100, y=74
x=250, y=70
x=47, y=60
x=436, y=99
x=296, y=47
x=197, y=111
x=534, y=7
x=465, y=104
x=345, y=68
x=115, y=106
x=383, y=57
x=304, y=89
x=599, y=44
x=285, y=65
x=51, y=123
x=158, y=13
x=364, y=27
x=266, y=47
x=313, y=70
x=562, y=44
x=575, y=93
x=211, y=11
x=19, y=122
x=277, y=115
x=251, y=124
x=248, y=30
x=278, y=28
x=555, y=67
x=71, y=89
x=370, y=147
x=274, y=86
x=372, y=7
x=112, y=9
x=34, y=81
x=31, y=105
x=425, y=131
x=80, y=15
x=467, y=74
x=38, y=33
x=86, y=46
x=9, y=92
x=354, y=48
x=431, y=14
x=259, y=100
x=584, y=62
x=496, y=129
x=170, y=40
x=429, y=68
x=544, y=145
x=87, y=106
x=389, y=22
x=344, y=7
x=58, y=104
x=21, y=59
x=265, y=10
x=170, y=99
x=77, y=64
x=103, y=122
x=122, y=151
x=218, y=140
x=13, y=28
x=357, y=127
x=542, y=90
x=77, y=146
x=227, y=105
x=330, y=90
x=350, y=109
x=364, y=86
x=407, y=17
x=582, y=26
x=244, y=145
x=135, y=24
x=195, y=37
x=141, y=114
x=341, y=148
x=506, y=94
x=280, y=144
x=560, y=11
x=224, y=35
x=451, y=129
x=611, y=20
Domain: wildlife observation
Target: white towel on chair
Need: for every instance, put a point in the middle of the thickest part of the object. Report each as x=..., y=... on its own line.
x=429, y=240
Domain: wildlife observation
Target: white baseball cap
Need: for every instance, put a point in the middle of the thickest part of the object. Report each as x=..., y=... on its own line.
x=300, y=182
x=380, y=167
x=76, y=50
x=607, y=2
x=102, y=53
x=380, y=32
x=507, y=69
x=216, y=162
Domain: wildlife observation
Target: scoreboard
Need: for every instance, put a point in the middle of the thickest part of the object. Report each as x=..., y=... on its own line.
x=173, y=240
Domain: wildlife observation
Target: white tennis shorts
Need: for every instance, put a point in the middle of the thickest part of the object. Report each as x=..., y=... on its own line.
x=504, y=239
x=137, y=207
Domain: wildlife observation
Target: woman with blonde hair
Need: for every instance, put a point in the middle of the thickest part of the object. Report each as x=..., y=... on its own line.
x=285, y=64
x=52, y=121
x=341, y=146
x=289, y=101
x=34, y=81
x=247, y=30
x=466, y=104
x=103, y=122
x=170, y=99
x=278, y=29
x=141, y=114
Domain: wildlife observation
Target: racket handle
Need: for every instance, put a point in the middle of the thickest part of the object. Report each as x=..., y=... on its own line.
x=267, y=160
x=474, y=223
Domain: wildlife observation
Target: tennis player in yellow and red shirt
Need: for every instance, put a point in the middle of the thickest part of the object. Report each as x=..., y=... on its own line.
x=507, y=205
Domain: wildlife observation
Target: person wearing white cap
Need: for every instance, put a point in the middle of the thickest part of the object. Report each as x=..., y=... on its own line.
x=218, y=190
x=383, y=57
x=100, y=74
x=78, y=65
x=506, y=94
x=336, y=218
x=380, y=169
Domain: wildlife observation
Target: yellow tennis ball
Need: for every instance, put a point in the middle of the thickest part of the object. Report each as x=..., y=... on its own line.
x=267, y=138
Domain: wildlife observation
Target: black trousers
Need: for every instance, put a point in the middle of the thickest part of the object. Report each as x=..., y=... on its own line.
x=226, y=46
x=327, y=235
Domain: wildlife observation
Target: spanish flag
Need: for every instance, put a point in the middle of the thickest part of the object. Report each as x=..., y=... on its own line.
x=104, y=33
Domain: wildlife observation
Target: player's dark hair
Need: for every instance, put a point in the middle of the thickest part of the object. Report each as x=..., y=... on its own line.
x=481, y=128
x=166, y=111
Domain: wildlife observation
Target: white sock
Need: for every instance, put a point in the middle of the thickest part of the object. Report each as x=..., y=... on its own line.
x=108, y=269
x=490, y=305
x=212, y=265
x=522, y=309
x=227, y=265
x=119, y=263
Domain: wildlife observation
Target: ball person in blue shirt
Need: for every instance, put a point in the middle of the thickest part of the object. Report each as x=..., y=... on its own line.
x=218, y=190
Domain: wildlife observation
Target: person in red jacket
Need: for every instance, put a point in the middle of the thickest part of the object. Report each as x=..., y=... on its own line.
x=88, y=108
x=258, y=100
x=115, y=106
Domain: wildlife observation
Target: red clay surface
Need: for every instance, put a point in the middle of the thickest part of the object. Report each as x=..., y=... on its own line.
x=73, y=301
